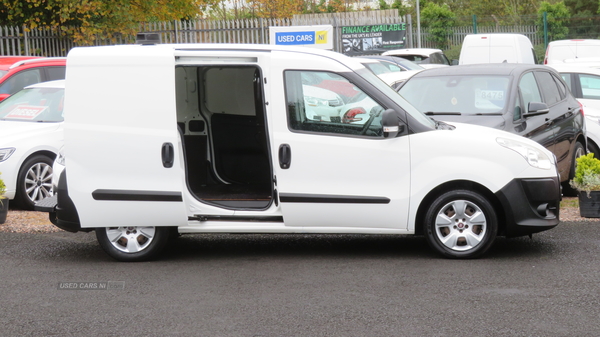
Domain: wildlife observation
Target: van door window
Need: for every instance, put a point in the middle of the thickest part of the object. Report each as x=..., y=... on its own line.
x=326, y=102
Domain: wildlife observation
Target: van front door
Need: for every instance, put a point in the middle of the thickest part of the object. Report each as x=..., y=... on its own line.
x=334, y=168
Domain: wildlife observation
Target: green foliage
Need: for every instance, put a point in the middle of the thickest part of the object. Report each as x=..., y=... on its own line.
x=86, y=20
x=440, y=20
x=453, y=53
x=2, y=188
x=558, y=16
x=540, y=53
x=587, y=174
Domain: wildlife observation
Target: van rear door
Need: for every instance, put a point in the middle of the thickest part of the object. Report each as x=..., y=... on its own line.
x=123, y=152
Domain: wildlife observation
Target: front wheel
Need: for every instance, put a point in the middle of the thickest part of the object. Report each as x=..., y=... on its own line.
x=132, y=244
x=34, y=182
x=461, y=224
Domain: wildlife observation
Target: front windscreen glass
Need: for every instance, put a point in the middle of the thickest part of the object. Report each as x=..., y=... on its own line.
x=34, y=105
x=465, y=95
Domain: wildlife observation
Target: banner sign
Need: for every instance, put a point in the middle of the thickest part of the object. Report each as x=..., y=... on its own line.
x=373, y=39
x=308, y=36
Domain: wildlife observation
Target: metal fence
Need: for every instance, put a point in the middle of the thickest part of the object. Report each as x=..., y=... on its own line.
x=52, y=42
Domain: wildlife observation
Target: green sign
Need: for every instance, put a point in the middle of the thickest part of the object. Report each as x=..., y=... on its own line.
x=373, y=39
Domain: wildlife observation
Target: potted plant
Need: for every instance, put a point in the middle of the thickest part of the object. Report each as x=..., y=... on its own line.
x=587, y=182
x=3, y=202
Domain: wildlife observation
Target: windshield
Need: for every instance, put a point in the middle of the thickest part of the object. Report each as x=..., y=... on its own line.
x=34, y=105
x=457, y=94
x=410, y=65
x=388, y=91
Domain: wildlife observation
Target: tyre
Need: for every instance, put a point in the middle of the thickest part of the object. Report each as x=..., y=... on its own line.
x=132, y=244
x=461, y=224
x=567, y=190
x=34, y=182
x=593, y=148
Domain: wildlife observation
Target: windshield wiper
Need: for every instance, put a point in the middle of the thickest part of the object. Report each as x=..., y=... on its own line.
x=434, y=113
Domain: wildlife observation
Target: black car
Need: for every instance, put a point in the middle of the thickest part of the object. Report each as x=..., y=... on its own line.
x=526, y=99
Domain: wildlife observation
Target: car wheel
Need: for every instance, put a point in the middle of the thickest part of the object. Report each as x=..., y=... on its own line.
x=461, y=224
x=34, y=182
x=132, y=244
x=578, y=151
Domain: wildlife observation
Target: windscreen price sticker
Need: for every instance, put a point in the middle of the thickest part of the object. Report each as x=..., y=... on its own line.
x=28, y=112
x=492, y=94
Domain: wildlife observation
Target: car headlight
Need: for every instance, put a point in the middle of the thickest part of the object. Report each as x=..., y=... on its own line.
x=534, y=156
x=5, y=153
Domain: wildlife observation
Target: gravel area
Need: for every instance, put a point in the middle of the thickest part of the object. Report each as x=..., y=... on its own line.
x=19, y=221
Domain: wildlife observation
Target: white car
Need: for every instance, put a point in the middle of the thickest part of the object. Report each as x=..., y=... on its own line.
x=31, y=133
x=584, y=83
x=572, y=51
x=200, y=160
x=425, y=57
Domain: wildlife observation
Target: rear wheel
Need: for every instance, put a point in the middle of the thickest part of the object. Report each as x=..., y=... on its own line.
x=461, y=224
x=132, y=244
x=578, y=151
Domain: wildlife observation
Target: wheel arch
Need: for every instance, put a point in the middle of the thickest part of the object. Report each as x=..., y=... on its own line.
x=458, y=185
x=46, y=153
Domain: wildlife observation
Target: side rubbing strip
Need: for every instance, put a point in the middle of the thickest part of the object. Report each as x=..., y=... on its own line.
x=121, y=195
x=331, y=199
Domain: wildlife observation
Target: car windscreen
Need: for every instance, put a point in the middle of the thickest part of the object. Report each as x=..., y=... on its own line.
x=573, y=51
x=409, y=65
x=34, y=105
x=470, y=95
x=391, y=93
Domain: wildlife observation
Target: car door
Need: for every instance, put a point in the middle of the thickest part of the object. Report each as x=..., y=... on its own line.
x=333, y=166
x=564, y=118
x=537, y=127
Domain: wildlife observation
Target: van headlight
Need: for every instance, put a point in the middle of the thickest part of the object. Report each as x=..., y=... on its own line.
x=534, y=156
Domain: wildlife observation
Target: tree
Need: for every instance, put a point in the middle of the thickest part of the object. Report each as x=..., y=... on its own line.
x=84, y=20
x=558, y=16
x=439, y=19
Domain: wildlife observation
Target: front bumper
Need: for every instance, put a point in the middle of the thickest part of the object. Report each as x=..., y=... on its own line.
x=530, y=205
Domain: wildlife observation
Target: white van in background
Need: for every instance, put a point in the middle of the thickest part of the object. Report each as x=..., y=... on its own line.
x=496, y=48
x=572, y=51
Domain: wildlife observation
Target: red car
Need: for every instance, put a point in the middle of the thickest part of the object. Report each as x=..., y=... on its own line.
x=17, y=72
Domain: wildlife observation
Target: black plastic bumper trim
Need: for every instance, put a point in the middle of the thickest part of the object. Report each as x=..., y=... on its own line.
x=331, y=199
x=127, y=195
x=521, y=201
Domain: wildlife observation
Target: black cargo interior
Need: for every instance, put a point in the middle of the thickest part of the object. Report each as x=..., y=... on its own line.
x=227, y=165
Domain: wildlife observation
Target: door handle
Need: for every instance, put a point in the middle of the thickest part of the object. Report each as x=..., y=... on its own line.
x=168, y=155
x=285, y=156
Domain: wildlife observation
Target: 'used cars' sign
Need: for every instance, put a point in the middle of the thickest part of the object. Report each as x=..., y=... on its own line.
x=307, y=36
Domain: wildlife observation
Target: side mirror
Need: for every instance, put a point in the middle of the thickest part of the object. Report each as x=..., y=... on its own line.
x=536, y=108
x=454, y=63
x=391, y=124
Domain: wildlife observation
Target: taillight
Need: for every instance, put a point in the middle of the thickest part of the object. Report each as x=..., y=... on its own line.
x=581, y=106
x=350, y=115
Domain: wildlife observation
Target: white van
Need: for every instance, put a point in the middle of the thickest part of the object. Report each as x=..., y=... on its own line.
x=201, y=138
x=573, y=51
x=496, y=48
